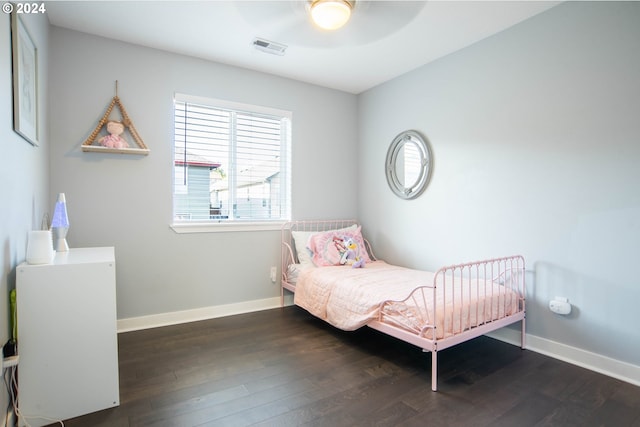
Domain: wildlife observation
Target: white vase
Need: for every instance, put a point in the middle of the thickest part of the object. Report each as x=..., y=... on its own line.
x=40, y=247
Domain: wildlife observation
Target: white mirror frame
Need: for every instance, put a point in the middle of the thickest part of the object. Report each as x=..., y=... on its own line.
x=394, y=179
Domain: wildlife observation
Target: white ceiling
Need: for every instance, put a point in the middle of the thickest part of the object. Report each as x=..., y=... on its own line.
x=383, y=40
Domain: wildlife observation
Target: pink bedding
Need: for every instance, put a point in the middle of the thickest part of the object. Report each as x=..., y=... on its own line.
x=349, y=298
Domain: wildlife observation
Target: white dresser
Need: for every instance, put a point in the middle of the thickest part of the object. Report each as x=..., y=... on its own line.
x=67, y=336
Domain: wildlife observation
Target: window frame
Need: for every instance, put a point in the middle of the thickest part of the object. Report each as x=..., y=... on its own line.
x=225, y=225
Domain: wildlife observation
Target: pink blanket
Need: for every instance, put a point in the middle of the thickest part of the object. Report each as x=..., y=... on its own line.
x=349, y=298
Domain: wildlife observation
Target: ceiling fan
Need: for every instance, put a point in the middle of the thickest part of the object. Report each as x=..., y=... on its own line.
x=361, y=21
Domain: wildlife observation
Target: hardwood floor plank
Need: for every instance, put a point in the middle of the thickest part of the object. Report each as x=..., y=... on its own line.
x=528, y=412
x=613, y=413
x=389, y=415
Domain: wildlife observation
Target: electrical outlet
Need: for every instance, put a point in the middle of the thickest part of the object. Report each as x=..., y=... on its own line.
x=560, y=305
x=274, y=271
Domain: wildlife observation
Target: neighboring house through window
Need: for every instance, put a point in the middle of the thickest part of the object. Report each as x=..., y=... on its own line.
x=232, y=162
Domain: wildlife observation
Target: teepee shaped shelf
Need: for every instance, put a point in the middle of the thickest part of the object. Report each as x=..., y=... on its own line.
x=88, y=145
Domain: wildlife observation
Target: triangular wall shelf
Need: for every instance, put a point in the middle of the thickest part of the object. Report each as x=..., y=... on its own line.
x=88, y=145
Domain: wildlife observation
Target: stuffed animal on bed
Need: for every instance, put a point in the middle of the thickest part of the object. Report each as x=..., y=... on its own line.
x=350, y=256
x=329, y=248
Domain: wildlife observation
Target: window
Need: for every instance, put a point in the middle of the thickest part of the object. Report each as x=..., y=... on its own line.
x=231, y=162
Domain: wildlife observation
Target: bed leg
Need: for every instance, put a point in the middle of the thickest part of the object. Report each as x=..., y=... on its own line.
x=523, y=335
x=434, y=370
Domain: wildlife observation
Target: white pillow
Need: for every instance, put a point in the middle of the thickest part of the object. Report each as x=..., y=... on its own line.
x=301, y=240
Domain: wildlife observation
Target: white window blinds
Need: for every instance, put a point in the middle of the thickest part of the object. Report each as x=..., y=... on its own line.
x=232, y=162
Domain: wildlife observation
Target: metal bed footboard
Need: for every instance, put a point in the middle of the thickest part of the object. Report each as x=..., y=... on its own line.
x=469, y=285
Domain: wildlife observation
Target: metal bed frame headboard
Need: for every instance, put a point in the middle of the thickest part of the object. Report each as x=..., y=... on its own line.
x=288, y=250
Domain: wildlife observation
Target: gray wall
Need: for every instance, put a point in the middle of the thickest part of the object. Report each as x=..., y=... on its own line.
x=24, y=173
x=536, y=138
x=126, y=201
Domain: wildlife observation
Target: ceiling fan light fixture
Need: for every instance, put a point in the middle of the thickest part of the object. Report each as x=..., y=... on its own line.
x=331, y=14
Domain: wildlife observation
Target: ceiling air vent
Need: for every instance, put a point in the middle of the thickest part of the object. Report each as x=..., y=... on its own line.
x=269, y=47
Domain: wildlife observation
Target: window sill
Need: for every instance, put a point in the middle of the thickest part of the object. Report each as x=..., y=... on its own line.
x=205, y=227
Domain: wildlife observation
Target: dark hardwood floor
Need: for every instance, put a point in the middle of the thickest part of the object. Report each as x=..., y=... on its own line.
x=283, y=367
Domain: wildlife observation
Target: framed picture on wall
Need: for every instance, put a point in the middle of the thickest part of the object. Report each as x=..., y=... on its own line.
x=25, y=81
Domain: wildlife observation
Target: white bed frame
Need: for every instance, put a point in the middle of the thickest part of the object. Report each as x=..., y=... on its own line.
x=507, y=271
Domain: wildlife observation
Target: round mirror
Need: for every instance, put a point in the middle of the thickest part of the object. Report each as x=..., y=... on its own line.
x=408, y=165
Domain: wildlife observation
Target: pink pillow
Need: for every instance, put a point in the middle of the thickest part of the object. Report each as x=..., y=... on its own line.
x=329, y=248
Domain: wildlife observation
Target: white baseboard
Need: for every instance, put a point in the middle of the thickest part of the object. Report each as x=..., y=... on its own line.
x=204, y=313
x=595, y=362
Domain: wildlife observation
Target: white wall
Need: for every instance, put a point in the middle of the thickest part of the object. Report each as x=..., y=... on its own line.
x=536, y=140
x=24, y=172
x=125, y=200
